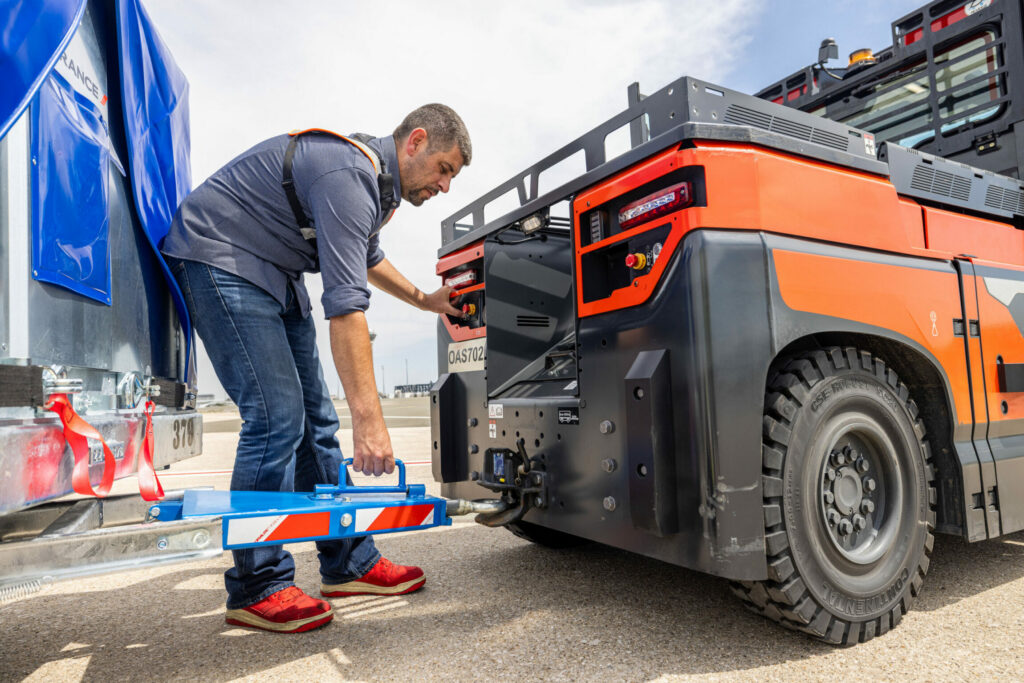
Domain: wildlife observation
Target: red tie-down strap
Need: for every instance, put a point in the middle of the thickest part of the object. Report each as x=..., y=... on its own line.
x=149, y=484
x=77, y=432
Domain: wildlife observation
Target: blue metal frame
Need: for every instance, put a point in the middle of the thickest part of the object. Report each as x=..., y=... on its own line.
x=342, y=503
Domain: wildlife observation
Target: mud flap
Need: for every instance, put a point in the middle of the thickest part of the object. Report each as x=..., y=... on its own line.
x=449, y=459
x=650, y=458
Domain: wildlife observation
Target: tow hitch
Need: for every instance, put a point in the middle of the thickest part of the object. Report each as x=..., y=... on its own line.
x=520, y=479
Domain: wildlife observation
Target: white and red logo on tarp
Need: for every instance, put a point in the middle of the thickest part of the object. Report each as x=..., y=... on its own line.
x=397, y=517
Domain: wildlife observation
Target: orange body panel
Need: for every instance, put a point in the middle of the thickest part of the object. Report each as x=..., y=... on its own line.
x=750, y=188
x=954, y=233
x=916, y=303
x=457, y=258
x=643, y=286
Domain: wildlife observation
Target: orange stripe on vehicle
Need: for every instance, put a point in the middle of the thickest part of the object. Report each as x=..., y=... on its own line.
x=305, y=525
x=401, y=516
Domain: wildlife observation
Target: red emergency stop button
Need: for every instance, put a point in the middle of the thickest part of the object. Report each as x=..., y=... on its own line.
x=636, y=261
x=469, y=309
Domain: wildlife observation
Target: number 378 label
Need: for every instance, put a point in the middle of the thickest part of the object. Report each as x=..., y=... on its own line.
x=467, y=355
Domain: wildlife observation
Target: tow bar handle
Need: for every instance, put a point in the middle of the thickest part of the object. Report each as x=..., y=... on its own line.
x=344, y=487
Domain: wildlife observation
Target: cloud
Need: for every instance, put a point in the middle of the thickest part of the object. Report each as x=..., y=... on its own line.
x=526, y=76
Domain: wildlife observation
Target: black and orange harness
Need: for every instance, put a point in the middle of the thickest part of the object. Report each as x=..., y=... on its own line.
x=385, y=181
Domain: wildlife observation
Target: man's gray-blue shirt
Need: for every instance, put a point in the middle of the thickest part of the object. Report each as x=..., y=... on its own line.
x=239, y=219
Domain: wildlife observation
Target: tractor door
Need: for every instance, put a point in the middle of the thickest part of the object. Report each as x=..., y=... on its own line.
x=984, y=499
x=994, y=304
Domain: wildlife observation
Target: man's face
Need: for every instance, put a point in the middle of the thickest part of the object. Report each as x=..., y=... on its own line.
x=427, y=172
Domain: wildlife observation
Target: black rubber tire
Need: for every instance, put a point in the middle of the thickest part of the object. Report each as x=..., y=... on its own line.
x=549, y=538
x=839, y=586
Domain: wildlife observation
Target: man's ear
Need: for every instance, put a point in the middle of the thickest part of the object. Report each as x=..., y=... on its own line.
x=416, y=142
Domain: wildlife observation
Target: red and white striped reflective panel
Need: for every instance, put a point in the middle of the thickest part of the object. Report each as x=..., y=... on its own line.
x=278, y=527
x=379, y=519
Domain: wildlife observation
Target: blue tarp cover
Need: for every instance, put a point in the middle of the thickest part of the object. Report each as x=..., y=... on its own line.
x=33, y=35
x=155, y=97
x=70, y=208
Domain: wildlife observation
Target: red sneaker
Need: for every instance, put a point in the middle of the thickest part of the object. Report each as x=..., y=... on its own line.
x=287, y=611
x=385, y=578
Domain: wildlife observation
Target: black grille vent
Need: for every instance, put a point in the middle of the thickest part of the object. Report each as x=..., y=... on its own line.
x=533, y=321
x=1007, y=200
x=793, y=130
x=927, y=179
x=824, y=137
x=742, y=116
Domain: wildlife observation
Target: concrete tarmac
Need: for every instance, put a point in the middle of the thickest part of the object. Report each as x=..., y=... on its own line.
x=497, y=607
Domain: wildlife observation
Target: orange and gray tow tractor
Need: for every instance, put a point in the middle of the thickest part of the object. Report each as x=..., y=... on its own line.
x=778, y=339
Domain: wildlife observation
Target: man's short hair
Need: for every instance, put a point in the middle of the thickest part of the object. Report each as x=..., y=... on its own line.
x=444, y=129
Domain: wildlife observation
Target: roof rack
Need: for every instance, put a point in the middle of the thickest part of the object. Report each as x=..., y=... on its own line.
x=685, y=109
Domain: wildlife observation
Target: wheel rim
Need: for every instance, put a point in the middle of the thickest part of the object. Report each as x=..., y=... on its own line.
x=860, y=490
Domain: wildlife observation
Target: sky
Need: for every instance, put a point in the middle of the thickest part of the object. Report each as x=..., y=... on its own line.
x=526, y=76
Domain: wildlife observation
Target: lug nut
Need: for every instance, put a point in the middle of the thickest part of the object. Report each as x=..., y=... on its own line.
x=863, y=465
x=867, y=507
x=838, y=458
x=869, y=484
x=833, y=517
x=609, y=465
x=845, y=527
x=859, y=522
x=829, y=497
x=830, y=474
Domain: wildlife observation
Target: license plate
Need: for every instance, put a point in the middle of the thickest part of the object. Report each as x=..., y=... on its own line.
x=467, y=356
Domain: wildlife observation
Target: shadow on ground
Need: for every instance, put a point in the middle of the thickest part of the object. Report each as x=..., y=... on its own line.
x=494, y=606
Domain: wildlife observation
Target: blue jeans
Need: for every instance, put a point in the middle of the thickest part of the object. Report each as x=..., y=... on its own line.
x=266, y=358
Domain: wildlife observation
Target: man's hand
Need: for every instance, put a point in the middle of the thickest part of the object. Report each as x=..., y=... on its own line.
x=439, y=301
x=372, y=449
x=386, y=277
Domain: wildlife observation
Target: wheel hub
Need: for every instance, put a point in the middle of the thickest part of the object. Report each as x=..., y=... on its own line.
x=848, y=493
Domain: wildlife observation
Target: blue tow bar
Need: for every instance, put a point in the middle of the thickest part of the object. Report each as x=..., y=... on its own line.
x=255, y=518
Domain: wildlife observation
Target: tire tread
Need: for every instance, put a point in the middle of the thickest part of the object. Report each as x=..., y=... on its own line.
x=783, y=597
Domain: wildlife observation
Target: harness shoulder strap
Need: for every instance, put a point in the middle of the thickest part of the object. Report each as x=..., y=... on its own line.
x=385, y=181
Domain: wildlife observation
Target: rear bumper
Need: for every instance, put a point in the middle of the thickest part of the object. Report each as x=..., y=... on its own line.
x=36, y=462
